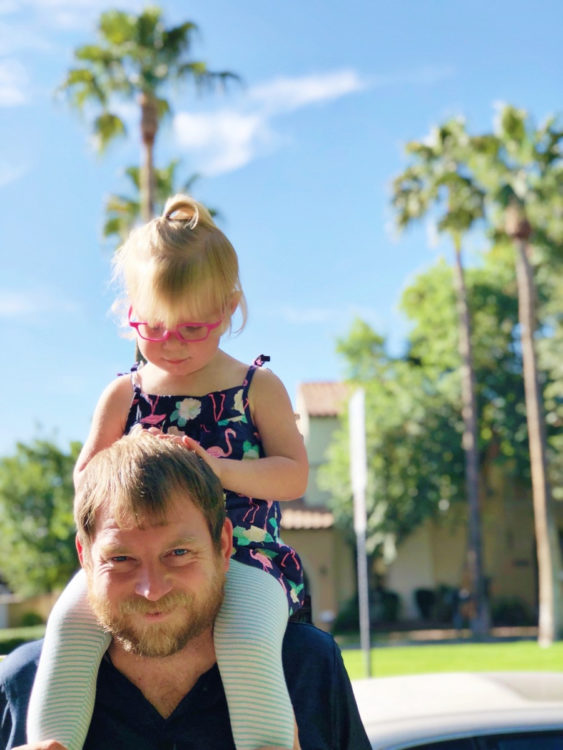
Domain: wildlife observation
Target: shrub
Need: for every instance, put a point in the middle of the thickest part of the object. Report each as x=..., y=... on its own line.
x=28, y=619
x=511, y=610
x=384, y=607
x=425, y=600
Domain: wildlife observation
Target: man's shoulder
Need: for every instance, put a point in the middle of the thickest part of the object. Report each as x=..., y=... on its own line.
x=17, y=670
x=310, y=653
x=304, y=635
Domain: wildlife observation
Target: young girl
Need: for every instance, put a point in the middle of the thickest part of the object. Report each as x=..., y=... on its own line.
x=180, y=277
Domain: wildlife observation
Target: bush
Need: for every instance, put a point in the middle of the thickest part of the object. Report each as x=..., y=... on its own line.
x=11, y=638
x=28, y=619
x=446, y=605
x=425, y=600
x=511, y=610
x=384, y=607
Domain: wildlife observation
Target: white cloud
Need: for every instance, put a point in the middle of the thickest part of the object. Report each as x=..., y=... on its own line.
x=432, y=234
x=228, y=139
x=22, y=303
x=231, y=138
x=8, y=6
x=10, y=173
x=324, y=315
x=425, y=75
x=19, y=37
x=62, y=14
x=224, y=141
x=13, y=83
x=287, y=94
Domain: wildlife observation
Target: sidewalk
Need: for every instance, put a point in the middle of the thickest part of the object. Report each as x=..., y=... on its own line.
x=421, y=636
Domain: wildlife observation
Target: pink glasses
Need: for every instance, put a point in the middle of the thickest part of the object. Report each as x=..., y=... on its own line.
x=183, y=331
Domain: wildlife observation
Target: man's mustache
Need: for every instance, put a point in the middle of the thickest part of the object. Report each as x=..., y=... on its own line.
x=170, y=601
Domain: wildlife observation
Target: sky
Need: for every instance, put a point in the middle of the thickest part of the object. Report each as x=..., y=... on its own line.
x=298, y=159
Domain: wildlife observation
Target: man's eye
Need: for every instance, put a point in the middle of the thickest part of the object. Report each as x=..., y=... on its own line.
x=180, y=552
x=119, y=558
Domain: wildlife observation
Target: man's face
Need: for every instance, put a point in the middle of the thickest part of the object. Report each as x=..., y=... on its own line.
x=154, y=587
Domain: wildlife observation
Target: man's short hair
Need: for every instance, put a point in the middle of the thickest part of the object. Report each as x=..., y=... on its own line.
x=136, y=477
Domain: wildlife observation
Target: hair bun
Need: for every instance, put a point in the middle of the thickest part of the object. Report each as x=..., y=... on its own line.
x=181, y=208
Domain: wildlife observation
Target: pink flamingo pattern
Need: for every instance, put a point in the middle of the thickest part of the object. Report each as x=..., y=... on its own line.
x=221, y=422
x=217, y=451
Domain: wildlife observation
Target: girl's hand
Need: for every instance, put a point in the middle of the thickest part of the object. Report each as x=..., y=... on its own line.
x=192, y=445
x=213, y=462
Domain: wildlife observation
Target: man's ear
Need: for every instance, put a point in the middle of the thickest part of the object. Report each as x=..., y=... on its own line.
x=226, y=543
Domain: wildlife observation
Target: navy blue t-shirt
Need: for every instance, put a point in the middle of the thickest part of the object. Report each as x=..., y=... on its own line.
x=325, y=709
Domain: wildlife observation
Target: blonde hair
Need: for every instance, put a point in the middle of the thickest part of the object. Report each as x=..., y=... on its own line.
x=180, y=261
x=138, y=477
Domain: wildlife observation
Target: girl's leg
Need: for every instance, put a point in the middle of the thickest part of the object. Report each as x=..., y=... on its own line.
x=248, y=637
x=62, y=699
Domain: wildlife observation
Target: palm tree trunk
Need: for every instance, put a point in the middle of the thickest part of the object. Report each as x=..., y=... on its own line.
x=547, y=540
x=149, y=127
x=480, y=624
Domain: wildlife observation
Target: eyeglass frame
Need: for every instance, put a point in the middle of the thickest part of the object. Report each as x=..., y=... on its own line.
x=174, y=331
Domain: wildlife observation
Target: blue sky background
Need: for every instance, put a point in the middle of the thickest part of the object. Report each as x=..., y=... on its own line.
x=299, y=162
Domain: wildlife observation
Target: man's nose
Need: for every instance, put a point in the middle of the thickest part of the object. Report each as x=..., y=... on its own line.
x=152, y=582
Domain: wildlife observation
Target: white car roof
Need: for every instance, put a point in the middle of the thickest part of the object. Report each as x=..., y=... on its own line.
x=398, y=711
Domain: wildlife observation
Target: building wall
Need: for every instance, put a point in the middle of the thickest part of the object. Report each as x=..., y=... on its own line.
x=318, y=439
x=12, y=608
x=435, y=553
x=328, y=563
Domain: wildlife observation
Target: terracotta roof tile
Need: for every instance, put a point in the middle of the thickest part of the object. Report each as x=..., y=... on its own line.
x=307, y=519
x=324, y=399
x=296, y=514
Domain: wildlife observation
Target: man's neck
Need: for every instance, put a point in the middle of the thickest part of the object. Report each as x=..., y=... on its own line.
x=164, y=681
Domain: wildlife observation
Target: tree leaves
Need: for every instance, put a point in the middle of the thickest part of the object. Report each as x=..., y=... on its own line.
x=37, y=553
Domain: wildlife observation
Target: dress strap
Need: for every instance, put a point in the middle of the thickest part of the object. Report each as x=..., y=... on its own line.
x=261, y=359
x=258, y=362
x=133, y=376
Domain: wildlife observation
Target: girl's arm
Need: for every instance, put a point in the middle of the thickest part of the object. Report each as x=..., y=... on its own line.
x=108, y=422
x=282, y=475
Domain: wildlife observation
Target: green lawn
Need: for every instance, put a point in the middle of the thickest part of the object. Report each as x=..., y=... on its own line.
x=465, y=657
x=394, y=660
x=12, y=637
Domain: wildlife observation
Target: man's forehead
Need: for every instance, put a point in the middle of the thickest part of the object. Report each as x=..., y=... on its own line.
x=129, y=522
x=180, y=514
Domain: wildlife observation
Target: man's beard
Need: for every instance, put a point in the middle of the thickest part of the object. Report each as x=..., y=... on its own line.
x=192, y=616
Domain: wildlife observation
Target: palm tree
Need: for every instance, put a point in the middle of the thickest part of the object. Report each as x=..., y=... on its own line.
x=136, y=58
x=521, y=167
x=123, y=212
x=439, y=178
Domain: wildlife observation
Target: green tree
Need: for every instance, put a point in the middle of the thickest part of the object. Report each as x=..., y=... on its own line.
x=135, y=59
x=438, y=179
x=521, y=167
x=123, y=212
x=37, y=553
x=415, y=457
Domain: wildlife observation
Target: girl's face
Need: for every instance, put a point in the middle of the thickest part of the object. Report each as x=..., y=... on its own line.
x=177, y=354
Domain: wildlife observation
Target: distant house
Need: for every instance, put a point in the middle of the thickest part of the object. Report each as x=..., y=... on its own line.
x=434, y=555
x=308, y=524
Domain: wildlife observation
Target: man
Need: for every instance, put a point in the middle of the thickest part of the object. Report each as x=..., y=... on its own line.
x=155, y=544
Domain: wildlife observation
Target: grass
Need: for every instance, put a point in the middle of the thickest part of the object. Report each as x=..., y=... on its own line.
x=12, y=637
x=462, y=657
x=396, y=660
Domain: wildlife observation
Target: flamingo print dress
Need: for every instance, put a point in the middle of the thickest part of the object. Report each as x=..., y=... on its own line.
x=222, y=424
